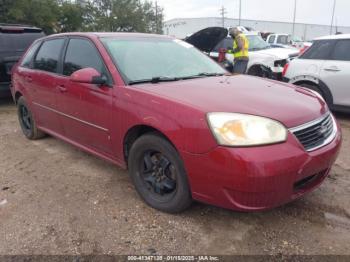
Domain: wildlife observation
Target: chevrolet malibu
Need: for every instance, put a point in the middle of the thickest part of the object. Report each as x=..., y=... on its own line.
x=185, y=129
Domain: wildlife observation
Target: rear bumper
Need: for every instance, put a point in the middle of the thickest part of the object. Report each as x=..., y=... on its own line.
x=5, y=90
x=259, y=178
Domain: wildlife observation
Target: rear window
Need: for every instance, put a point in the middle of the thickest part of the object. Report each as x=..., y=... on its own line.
x=320, y=50
x=18, y=42
x=26, y=62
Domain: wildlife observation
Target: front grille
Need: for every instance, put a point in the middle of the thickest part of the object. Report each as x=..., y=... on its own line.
x=317, y=133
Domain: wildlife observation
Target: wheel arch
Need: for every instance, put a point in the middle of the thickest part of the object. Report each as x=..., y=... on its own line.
x=258, y=67
x=137, y=131
x=18, y=94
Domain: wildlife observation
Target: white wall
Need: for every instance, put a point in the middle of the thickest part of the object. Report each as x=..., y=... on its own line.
x=181, y=28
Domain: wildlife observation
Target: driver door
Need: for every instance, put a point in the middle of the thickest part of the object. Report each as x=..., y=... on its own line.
x=86, y=109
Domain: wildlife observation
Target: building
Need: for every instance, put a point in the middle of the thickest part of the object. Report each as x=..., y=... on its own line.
x=182, y=27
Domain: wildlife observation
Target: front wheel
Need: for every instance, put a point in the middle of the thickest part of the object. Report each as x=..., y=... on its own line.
x=158, y=174
x=27, y=121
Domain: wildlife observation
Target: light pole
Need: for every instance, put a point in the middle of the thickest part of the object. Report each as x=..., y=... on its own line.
x=294, y=17
x=240, y=12
x=334, y=5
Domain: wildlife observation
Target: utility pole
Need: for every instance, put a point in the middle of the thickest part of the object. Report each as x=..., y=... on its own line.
x=223, y=13
x=294, y=17
x=334, y=5
x=157, y=14
x=240, y=12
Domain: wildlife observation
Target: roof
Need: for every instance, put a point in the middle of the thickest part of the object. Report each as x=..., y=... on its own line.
x=111, y=34
x=334, y=37
x=19, y=26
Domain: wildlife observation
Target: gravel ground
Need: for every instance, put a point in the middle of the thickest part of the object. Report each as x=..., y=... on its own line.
x=55, y=199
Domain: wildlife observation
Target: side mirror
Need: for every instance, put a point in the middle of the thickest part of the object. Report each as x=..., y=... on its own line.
x=88, y=76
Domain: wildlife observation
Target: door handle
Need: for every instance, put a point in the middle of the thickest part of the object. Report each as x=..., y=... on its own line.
x=332, y=69
x=62, y=88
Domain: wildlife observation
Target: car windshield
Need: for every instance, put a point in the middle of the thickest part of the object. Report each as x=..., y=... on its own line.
x=257, y=43
x=159, y=59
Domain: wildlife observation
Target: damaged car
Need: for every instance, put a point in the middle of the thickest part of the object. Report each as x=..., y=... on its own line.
x=264, y=61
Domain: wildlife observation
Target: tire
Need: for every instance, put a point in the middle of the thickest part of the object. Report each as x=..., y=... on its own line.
x=158, y=174
x=27, y=121
x=258, y=71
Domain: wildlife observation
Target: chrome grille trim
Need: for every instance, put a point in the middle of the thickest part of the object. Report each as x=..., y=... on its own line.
x=330, y=137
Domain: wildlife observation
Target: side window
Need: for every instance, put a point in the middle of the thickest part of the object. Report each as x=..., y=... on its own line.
x=226, y=43
x=320, y=50
x=82, y=54
x=48, y=56
x=282, y=39
x=27, y=59
x=341, y=51
x=272, y=39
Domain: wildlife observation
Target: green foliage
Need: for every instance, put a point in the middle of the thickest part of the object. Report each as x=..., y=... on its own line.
x=56, y=16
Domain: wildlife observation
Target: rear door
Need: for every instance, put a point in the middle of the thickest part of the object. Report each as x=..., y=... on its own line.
x=336, y=73
x=86, y=108
x=43, y=81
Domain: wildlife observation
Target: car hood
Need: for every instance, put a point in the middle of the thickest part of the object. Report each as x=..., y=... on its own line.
x=288, y=104
x=280, y=53
x=206, y=39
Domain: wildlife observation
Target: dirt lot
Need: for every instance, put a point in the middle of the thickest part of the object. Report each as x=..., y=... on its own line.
x=55, y=199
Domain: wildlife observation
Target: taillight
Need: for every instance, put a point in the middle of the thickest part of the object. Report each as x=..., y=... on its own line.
x=285, y=69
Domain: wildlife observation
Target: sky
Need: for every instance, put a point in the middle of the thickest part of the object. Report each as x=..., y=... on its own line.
x=308, y=11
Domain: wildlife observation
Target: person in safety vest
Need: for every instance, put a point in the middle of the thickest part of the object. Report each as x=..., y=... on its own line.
x=240, y=51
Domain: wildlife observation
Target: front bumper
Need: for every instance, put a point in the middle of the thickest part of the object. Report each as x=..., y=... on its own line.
x=258, y=178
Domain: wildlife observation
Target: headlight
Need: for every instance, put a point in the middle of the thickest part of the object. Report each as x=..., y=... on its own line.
x=231, y=129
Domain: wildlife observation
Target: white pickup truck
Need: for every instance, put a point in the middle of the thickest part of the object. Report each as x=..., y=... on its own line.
x=264, y=60
x=285, y=41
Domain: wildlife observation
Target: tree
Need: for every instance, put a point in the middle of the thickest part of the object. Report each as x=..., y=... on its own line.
x=40, y=13
x=71, y=17
x=56, y=16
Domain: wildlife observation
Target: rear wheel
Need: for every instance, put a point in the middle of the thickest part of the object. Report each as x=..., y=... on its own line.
x=27, y=121
x=158, y=174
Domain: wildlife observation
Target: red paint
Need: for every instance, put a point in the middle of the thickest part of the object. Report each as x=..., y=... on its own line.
x=247, y=179
x=84, y=75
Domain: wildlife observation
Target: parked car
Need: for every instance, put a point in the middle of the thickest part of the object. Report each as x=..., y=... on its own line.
x=14, y=40
x=286, y=41
x=325, y=68
x=183, y=126
x=264, y=61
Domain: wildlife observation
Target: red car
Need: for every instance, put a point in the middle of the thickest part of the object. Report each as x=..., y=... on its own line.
x=184, y=128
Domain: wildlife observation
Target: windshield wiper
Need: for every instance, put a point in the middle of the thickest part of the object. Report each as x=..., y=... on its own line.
x=201, y=75
x=153, y=80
